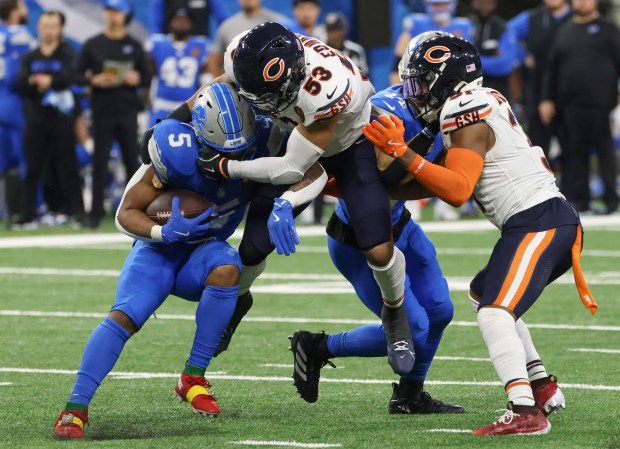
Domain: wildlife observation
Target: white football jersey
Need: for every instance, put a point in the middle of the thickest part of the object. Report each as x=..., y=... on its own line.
x=333, y=85
x=516, y=175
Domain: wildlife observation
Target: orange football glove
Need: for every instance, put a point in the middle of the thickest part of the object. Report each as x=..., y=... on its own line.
x=388, y=134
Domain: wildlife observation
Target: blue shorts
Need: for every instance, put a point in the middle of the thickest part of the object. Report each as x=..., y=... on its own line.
x=535, y=249
x=11, y=147
x=153, y=271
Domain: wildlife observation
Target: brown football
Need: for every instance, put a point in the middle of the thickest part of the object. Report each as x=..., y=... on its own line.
x=192, y=205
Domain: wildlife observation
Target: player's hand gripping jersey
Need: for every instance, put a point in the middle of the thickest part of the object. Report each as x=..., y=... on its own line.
x=516, y=174
x=333, y=85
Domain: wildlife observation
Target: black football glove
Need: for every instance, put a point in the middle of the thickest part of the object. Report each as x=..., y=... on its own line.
x=212, y=164
x=144, y=146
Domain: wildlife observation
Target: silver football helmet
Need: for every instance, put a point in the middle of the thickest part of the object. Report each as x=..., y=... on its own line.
x=223, y=120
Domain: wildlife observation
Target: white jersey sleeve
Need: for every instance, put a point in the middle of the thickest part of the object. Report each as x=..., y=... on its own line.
x=516, y=175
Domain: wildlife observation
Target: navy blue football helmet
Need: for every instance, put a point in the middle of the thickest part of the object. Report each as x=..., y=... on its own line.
x=269, y=67
x=438, y=68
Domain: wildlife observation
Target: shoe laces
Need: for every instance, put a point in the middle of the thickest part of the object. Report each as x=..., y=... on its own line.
x=506, y=417
x=401, y=345
x=196, y=380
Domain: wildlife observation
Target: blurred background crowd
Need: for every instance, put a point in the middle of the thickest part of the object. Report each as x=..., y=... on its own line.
x=80, y=80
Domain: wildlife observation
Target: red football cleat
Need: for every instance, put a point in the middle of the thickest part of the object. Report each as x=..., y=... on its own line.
x=548, y=396
x=70, y=424
x=521, y=420
x=194, y=389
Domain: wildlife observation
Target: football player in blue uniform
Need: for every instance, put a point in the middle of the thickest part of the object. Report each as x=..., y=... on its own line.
x=427, y=298
x=15, y=41
x=179, y=62
x=189, y=258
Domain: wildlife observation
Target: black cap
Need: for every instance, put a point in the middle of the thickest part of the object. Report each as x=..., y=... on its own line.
x=297, y=2
x=335, y=21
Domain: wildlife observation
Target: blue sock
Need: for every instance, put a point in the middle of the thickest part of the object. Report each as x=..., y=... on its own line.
x=100, y=354
x=365, y=341
x=215, y=308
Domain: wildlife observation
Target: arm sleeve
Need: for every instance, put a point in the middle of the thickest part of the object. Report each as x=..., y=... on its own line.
x=21, y=82
x=142, y=67
x=288, y=169
x=453, y=183
x=503, y=63
x=307, y=193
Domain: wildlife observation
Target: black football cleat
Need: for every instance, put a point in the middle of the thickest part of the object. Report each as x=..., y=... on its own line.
x=310, y=354
x=411, y=402
x=401, y=354
x=244, y=304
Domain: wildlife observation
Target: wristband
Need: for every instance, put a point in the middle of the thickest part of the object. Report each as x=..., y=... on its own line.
x=156, y=233
x=416, y=165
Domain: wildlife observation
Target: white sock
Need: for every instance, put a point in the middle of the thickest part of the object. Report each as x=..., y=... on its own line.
x=474, y=302
x=249, y=275
x=499, y=332
x=535, y=368
x=391, y=279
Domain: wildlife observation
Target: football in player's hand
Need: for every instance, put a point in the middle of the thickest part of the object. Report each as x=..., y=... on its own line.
x=191, y=205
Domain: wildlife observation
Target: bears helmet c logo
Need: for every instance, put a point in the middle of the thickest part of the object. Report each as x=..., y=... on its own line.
x=441, y=57
x=269, y=65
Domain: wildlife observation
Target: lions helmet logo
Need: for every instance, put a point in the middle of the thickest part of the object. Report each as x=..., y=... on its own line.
x=441, y=53
x=267, y=71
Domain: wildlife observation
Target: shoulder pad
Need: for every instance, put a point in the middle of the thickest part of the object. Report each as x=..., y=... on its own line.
x=465, y=109
x=334, y=92
x=173, y=149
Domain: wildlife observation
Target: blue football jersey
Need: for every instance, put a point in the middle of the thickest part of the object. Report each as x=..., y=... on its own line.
x=390, y=101
x=177, y=67
x=416, y=23
x=175, y=166
x=15, y=41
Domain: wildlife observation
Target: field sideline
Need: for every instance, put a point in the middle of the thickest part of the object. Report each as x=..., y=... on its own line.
x=56, y=288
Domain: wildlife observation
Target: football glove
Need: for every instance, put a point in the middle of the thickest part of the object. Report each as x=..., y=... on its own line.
x=212, y=164
x=387, y=134
x=181, y=229
x=281, y=225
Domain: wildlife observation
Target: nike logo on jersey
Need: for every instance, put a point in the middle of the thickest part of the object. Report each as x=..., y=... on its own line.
x=276, y=218
x=329, y=96
x=461, y=104
x=184, y=234
x=389, y=106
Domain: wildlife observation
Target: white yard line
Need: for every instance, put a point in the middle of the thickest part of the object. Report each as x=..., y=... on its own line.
x=50, y=241
x=215, y=375
x=291, y=320
x=284, y=444
x=5, y=384
x=601, y=351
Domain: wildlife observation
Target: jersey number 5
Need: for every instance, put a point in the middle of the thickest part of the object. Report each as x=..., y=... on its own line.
x=180, y=140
